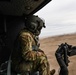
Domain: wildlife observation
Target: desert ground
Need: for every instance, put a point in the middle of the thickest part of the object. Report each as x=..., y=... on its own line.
x=50, y=44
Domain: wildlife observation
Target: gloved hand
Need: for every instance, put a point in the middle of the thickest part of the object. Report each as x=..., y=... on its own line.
x=52, y=72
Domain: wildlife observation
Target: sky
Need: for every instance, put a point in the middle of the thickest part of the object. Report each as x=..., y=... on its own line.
x=59, y=16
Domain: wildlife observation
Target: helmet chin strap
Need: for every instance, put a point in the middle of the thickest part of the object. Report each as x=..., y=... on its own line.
x=37, y=33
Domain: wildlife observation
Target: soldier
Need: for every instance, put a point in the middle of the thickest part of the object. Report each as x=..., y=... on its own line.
x=26, y=57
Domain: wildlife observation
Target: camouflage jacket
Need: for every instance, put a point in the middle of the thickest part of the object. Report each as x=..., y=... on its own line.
x=23, y=44
x=25, y=57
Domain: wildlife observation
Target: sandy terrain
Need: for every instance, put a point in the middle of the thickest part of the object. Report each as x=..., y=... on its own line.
x=50, y=44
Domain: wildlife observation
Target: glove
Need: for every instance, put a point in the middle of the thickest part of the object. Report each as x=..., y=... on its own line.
x=52, y=72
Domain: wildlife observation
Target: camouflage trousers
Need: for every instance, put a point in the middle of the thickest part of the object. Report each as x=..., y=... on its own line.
x=34, y=61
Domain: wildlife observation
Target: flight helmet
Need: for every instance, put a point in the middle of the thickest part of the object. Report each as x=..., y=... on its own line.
x=34, y=24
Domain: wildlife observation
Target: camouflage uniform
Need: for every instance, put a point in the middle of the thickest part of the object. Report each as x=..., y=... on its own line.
x=25, y=58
